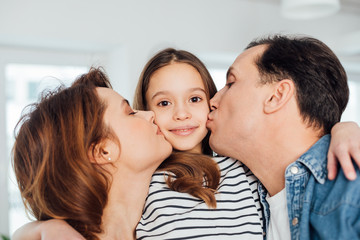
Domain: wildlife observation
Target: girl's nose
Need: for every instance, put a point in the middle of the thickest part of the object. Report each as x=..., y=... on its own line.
x=182, y=113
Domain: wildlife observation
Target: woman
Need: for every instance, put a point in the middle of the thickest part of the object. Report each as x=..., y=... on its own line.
x=83, y=155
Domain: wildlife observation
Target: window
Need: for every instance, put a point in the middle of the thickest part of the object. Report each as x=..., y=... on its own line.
x=24, y=83
x=219, y=77
x=24, y=73
x=352, y=111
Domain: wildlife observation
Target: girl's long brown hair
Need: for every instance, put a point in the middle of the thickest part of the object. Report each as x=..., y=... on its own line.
x=51, y=155
x=196, y=174
x=190, y=169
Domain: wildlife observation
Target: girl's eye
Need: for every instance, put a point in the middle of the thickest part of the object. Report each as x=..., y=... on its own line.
x=132, y=113
x=163, y=103
x=195, y=99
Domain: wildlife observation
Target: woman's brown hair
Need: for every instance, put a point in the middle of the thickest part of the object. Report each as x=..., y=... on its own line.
x=189, y=166
x=51, y=155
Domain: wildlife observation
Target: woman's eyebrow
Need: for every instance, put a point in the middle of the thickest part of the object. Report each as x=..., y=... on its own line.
x=125, y=101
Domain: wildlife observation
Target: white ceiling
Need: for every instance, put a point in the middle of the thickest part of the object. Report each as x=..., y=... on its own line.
x=205, y=27
x=347, y=6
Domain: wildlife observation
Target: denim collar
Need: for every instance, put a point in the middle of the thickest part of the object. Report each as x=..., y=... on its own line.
x=315, y=159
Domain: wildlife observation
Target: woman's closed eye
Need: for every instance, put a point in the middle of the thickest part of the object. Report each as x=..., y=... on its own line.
x=133, y=113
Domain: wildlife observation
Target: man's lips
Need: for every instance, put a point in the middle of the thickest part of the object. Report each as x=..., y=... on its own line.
x=183, y=131
x=210, y=116
x=208, y=122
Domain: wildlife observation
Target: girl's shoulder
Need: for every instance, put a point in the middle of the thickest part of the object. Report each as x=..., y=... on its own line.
x=224, y=159
x=158, y=179
x=234, y=169
x=229, y=163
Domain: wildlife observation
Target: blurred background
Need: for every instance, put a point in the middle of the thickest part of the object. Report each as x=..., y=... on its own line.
x=44, y=42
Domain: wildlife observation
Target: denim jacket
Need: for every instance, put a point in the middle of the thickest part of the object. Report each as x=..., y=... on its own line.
x=317, y=207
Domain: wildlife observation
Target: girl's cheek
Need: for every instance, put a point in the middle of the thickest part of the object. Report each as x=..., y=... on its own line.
x=161, y=121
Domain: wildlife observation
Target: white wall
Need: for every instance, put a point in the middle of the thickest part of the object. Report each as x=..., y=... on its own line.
x=141, y=27
x=27, y=56
x=4, y=205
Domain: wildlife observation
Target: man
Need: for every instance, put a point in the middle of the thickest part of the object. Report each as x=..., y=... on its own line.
x=280, y=101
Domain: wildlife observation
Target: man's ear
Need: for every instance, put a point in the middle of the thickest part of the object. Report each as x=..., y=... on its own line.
x=281, y=93
x=104, y=152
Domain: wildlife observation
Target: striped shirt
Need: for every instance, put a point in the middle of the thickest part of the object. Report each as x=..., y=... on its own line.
x=169, y=214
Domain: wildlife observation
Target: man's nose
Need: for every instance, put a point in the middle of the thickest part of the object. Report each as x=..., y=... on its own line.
x=214, y=101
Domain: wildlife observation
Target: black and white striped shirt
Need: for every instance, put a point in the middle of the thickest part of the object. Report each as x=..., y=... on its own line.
x=172, y=215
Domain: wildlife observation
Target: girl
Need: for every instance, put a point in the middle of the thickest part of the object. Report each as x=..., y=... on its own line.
x=177, y=87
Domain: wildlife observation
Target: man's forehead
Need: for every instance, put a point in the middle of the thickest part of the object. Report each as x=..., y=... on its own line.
x=246, y=58
x=251, y=53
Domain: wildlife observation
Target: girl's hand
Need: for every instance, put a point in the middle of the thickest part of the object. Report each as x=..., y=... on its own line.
x=344, y=146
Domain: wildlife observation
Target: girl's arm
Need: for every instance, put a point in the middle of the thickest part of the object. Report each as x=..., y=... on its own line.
x=46, y=230
x=344, y=146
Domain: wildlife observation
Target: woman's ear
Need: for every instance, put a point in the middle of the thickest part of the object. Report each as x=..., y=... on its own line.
x=107, y=151
x=281, y=93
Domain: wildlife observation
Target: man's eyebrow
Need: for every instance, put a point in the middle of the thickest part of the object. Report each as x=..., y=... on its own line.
x=228, y=72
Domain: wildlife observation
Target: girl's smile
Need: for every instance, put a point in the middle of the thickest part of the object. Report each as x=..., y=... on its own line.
x=183, y=131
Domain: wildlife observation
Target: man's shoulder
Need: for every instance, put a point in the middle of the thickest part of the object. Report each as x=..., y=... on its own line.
x=335, y=209
x=337, y=193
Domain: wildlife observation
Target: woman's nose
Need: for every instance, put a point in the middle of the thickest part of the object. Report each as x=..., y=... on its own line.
x=148, y=115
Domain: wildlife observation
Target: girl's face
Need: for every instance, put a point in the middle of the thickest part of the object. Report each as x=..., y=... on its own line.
x=177, y=95
x=142, y=145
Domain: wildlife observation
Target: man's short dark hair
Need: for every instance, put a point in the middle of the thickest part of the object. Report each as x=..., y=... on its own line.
x=321, y=84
